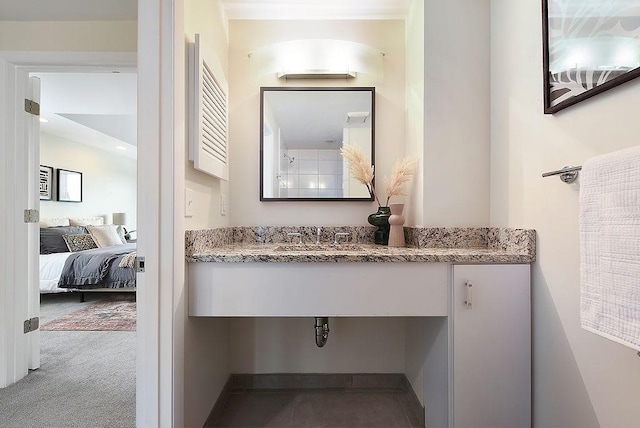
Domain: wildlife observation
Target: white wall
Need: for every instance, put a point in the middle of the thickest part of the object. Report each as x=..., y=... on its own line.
x=456, y=115
x=206, y=18
x=579, y=379
x=93, y=36
x=206, y=370
x=287, y=345
x=249, y=73
x=201, y=367
x=414, y=133
x=108, y=180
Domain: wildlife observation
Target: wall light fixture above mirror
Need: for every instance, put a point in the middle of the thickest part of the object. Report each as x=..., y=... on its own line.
x=302, y=132
x=317, y=74
x=590, y=46
x=317, y=59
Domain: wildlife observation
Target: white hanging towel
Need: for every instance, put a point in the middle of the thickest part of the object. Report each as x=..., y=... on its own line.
x=610, y=246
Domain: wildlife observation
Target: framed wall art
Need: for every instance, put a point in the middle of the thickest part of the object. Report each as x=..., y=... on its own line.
x=46, y=183
x=69, y=186
x=590, y=46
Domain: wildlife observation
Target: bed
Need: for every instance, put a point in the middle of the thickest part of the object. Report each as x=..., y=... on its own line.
x=85, y=258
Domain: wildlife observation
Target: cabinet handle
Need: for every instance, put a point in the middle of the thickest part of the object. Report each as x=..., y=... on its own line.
x=468, y=295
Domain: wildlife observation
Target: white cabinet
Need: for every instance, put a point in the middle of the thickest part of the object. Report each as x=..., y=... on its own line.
x=318, y=289
x=472, y=355
x=491, y=352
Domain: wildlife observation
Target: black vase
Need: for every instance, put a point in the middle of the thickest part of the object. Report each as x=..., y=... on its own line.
x=381, y=220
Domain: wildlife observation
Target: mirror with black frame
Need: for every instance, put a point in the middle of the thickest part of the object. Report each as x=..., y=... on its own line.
x=301, y=132
x=590, y=46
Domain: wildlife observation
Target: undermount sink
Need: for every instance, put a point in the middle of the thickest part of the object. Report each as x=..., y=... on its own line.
x=339, y=247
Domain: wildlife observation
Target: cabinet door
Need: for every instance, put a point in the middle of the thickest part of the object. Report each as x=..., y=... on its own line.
x=491, y=346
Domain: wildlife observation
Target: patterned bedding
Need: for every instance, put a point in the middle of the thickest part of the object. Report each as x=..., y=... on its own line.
x=88, y=269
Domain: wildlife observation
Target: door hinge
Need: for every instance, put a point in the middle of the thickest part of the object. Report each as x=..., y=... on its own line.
x=31, y=107
x=140, y=264
x=31, y=216
x=31, y=325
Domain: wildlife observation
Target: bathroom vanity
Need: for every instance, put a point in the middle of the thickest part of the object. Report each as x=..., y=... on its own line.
x=466, y=290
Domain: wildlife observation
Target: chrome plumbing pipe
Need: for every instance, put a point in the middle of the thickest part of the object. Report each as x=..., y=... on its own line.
x=322, y=331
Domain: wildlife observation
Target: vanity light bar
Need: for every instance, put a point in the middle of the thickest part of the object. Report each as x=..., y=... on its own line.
x=317, y=74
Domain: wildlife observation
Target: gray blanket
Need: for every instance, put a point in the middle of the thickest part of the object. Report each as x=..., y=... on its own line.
x=98, y=268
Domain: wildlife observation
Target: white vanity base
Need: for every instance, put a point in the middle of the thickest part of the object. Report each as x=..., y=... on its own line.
x=470, y=347
x=318, y=289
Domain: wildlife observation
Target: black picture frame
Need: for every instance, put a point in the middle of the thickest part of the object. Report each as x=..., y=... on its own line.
x=564, y=35
x=69, y=185
x=46, y=183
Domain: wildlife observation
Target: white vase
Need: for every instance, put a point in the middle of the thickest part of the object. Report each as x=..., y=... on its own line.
x=396, y=223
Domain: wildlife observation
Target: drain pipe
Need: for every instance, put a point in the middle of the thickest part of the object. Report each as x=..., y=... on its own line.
x=322, y=331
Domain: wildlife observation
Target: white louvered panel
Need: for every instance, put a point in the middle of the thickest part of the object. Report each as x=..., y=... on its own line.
x=214, y=131
x=208, y=116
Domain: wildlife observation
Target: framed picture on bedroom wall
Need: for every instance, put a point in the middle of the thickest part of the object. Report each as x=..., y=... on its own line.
x=46, y=183
x=69, y=186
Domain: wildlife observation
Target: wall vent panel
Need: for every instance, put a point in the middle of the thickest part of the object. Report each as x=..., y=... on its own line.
x=208, y=111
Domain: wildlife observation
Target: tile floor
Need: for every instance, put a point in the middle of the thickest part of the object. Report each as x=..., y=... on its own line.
x=307, y=408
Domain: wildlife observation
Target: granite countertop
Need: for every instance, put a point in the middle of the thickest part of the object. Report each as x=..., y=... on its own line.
x=271, y=244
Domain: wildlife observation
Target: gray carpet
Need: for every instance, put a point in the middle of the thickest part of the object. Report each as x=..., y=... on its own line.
x=86, y=379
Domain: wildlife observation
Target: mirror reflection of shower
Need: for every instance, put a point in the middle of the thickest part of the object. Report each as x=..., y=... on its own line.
x=289, y=158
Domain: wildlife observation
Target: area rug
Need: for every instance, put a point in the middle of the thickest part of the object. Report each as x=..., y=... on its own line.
x=115, y=313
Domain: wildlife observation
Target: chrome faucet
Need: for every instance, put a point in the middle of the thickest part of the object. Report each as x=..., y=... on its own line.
x=298, y=234
x=318, y=234
x=339, y=234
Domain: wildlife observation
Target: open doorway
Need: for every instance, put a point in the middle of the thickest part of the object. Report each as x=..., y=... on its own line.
x=88, y=348
x=80, y=41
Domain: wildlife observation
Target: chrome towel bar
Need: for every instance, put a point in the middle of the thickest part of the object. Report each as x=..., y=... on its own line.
x=568, y=174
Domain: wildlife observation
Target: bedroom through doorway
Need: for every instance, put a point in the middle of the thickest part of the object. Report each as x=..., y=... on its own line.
x=88, y=202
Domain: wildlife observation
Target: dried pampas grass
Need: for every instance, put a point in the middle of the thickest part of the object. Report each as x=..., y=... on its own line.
x=362, y=170
x=360, y=167
x=401, y=172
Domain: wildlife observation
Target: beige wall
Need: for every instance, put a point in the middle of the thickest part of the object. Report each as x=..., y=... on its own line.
x=579, y=379
x=95, y=36
x=386, y=73
x=287, y=345
x=414, y=142
x=456, y=113
x=202, y=355
x=206, y=18
x=414, y=134
x=108, y=180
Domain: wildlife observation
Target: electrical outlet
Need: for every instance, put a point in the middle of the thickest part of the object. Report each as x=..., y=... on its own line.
x=188, y=203
x=224, y=202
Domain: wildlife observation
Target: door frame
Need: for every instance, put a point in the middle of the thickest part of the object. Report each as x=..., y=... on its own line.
x=161, y=117
x=160, y=226
x=154, y=387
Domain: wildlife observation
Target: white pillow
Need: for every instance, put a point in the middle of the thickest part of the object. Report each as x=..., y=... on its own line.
x=105, y=236
x=86, y=221
x=54, y=222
